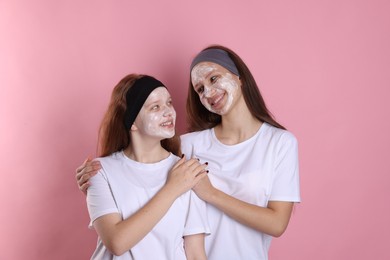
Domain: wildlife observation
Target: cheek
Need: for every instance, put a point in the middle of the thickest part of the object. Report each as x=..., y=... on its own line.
x=153, y=118
x=174, y=115
x=150, y=122
x=228, y=84
x=205, y=103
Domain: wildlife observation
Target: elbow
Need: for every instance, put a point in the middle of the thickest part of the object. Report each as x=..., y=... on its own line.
x=117, y=251
x=279, y=217
x=116, y=247
x=278, y=231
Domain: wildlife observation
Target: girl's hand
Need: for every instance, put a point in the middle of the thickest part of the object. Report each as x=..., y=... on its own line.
x=84, y=172
x=184, y=175
x=204, y=188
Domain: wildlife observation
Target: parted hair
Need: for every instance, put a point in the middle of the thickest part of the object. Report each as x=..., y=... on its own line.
x=199, y=118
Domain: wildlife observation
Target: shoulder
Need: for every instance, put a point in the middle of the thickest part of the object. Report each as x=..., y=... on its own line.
x=195, y=140
x=190, y=137
x=110, y=163
x=112, y=158
x=172, y=159
x=278, y=135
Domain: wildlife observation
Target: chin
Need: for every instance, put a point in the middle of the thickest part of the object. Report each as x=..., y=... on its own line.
x=169, y=136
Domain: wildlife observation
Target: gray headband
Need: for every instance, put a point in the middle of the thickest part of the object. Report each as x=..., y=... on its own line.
x=217, y=56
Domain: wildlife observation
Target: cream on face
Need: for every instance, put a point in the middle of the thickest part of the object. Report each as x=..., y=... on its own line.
x=157, y=116
x=215, y=85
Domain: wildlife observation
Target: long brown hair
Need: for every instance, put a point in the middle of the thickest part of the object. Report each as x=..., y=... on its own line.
x=113, y=136
x=199, y=118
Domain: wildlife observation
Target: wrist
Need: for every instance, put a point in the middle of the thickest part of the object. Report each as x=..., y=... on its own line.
x=169, y=192
x=211, y=196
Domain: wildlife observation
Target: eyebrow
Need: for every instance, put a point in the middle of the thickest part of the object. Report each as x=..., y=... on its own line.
x=207, y=75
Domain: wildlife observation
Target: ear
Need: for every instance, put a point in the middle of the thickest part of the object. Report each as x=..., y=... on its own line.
x=133, y=127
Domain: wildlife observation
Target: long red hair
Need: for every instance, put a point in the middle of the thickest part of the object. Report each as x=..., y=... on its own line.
x=113, y=135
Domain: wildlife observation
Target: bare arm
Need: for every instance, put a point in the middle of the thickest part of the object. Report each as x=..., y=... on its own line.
x=272, y=220
x=121, y=235
x=194, y=247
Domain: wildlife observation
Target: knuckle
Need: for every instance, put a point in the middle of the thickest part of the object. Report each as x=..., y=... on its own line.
x=84, y=178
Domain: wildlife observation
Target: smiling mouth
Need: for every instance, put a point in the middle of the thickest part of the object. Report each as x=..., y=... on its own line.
x=215, y=102
x=168, y=123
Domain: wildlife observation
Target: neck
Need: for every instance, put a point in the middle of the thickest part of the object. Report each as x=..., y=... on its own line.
x=237, y=126
x=146, y=151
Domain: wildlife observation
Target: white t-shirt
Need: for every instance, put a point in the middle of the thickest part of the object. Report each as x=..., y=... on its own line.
x=261, y=169
x=124, y=186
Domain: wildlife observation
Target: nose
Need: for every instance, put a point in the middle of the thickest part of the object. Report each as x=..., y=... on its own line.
x=208, y=91
x=168, y=111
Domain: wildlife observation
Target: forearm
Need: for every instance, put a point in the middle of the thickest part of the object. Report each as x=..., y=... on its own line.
x=122, y=235
x=194, y=247
x=272, y=220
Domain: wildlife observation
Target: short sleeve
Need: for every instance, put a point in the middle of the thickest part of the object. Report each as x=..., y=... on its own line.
x=285, y=186
x=196, y=222
x=100, y=200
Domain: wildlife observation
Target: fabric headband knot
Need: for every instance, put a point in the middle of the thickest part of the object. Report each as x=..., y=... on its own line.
x=136, y=97
x=217, y=56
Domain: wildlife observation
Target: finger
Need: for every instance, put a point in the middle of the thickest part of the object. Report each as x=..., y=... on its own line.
x=199, y=169
x=194, y=164
x=200, y=176
x=81, y=167
x=81, y=181
x=204, y=171
x=191, y=163
x=84, y=187
x=92, y=167
x=86, y=177
x=79, y=175
x=88, y=163
x=179, y=162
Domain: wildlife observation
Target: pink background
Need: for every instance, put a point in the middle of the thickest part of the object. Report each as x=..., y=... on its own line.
x=322, y=66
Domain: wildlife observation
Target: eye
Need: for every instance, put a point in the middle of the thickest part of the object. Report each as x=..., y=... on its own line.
x=213, y=79
x=155, y=107
x=200, y=90
x=169, y=102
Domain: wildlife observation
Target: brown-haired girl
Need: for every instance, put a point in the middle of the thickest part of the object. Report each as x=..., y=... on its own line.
x=253, y=178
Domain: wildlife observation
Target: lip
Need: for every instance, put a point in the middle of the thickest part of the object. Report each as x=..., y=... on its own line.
x=217, y=101
x=168, y=124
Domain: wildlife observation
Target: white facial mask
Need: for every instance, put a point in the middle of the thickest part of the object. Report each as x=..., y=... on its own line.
x=223, y=90
x=157, y=117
